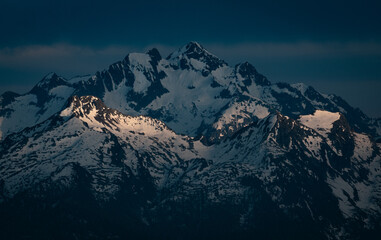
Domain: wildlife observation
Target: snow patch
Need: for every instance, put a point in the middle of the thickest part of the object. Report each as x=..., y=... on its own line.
x=61, y=91
x=321, y=121
x=141, y=83
x=80, y=79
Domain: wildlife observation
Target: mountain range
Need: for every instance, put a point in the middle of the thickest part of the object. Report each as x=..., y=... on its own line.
x=184, y=147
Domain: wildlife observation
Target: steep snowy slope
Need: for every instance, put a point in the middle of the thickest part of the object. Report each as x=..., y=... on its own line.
x=99, y=139
x=44, y=100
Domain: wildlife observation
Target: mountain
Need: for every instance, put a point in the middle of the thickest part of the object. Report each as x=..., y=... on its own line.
x=191, y=91
x=45, y=99
x=185, y=147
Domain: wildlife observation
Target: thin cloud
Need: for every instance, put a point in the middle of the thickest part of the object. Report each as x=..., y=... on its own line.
x=60, y=57
x=76, y=59
x=298, y=49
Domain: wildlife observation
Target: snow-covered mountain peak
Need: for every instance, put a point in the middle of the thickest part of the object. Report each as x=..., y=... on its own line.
x=50, y=81
x=246, y=68
x=193, y=55
x=154, y=54
x=249, y=75
x=82, y=106
x=87, y=102
x=95, y=113
x=50, y=75
x=136, y=59
x=301, y=87
x=192, y=47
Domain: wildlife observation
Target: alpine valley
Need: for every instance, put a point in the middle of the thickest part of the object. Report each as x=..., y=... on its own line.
x=185, y=147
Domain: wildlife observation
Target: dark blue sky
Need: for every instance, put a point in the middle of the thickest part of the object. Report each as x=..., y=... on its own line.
x=334, y=46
